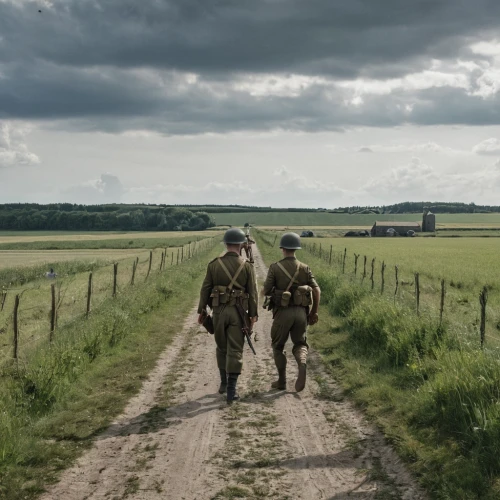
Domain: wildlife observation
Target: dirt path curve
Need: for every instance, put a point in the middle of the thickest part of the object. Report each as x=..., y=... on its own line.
x=178, y=440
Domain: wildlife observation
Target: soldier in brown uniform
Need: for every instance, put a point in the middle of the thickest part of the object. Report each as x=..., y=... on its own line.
x=229, y=279
x=294, y=298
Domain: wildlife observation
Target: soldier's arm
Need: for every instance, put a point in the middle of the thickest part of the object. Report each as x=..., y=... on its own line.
x=311, y=280
x=269, y=284
x=206, y=290
x=253, y=299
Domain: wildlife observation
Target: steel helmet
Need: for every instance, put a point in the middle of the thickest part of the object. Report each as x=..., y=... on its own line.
x=234, y=236
x=290, y=241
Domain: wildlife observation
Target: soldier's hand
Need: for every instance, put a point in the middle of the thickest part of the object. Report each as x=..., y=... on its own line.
x=254, y=320
x=312, y=318
x=201, y=318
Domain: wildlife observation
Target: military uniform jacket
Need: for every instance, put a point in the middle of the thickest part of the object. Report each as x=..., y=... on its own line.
x=277, y=279
x=217, y=277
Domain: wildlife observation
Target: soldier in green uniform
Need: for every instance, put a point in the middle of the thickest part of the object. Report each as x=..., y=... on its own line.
x=229, y=278
x=294, y=299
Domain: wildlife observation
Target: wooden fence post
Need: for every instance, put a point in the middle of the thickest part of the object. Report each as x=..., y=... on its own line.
x=115, y=277
x=364, y=267
x=372, y=274
x=53, y=312
x=382, y=270
x=330, y=259
x=134, y=267
x=16, y=327
x=150, y=262
x=182, y=253
x=89, y=294
x=396, y=268
x=356, y=257
x=417, y=292
x=4, y=298
x=172, y=259
x=320, y=251
x=483, y=300
x=343, y=261
x=441, y=308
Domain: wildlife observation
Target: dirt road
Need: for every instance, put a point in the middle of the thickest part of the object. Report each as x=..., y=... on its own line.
x=178, y=439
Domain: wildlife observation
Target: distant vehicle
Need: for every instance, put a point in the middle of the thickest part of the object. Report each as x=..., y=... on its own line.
x=307, y=234
x=363, y=233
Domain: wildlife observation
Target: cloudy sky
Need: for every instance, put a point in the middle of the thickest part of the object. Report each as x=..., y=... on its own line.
x=309, y=103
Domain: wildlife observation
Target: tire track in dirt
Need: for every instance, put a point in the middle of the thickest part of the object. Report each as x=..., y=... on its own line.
x=178, y=440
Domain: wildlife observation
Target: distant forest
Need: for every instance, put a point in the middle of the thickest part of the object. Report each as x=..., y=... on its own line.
x=121, y=217
x=68, y=217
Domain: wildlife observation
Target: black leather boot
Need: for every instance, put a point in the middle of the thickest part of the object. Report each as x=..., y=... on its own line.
x=280, y=384
x=223, y=381
x=232, y=395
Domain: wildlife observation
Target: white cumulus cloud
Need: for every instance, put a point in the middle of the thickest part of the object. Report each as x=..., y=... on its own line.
x=13, y=148
x=488, y=147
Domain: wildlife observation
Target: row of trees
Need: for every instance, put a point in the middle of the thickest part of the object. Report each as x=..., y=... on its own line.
x=138, y=219
x=410, y=207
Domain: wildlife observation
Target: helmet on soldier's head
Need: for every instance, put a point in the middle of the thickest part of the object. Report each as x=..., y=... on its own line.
x=290, y=241
x=234, y=236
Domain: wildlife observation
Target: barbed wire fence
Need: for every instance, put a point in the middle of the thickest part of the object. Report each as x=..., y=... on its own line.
x=63, y=301
x=409, y=289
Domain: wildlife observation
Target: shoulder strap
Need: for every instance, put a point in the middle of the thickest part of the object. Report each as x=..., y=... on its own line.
x=232, y=278
x=292, y=278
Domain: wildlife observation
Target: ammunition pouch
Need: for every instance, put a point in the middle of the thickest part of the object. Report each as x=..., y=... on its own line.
x=221, y=295
x=298, y=296
x=302, y=296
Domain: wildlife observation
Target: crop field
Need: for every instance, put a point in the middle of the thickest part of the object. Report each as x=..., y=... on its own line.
x=107, y=240
x=318, y=219
x=25, y=236
x=15, y=258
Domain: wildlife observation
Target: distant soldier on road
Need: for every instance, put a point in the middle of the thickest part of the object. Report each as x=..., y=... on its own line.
x=294, y=298
x=247, y=246
x=229, y=279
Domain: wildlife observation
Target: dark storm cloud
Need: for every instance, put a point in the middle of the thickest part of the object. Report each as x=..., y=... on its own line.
x=342, y=38
x=114, y=100
x=115, y=65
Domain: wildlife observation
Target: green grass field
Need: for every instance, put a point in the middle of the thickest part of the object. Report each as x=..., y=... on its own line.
x=97, y=241
x=317, y=219
x=469, y=261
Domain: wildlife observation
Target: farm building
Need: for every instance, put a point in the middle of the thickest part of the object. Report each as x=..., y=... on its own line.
x=382, y=228
x=428, y=222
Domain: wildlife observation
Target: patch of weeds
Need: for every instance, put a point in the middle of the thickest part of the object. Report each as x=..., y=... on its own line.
x=261, y=491
x=230, y=492
x=131, y=486
x=247, y=477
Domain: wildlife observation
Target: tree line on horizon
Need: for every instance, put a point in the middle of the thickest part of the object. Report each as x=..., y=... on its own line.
x=142, y=217
x=39, y=217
